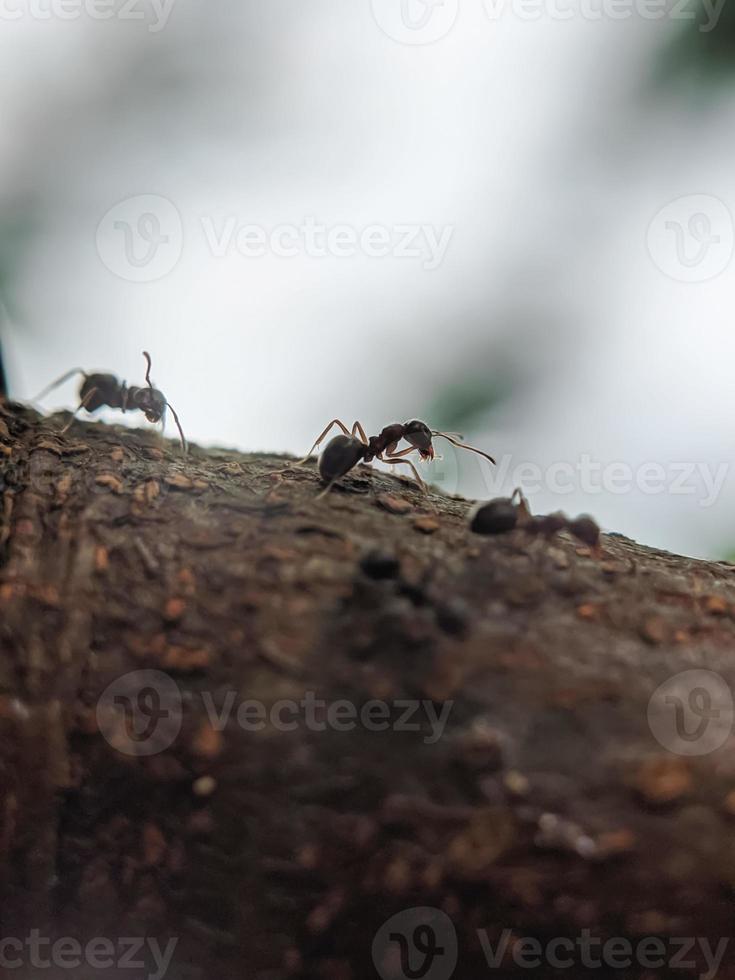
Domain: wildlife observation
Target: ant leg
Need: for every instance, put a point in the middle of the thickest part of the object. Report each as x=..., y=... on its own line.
x=184, y=444
x=358, y=429
x=59, y=381
x=394, y=460
x=402, y=452
x=334, y=422
x=82, y=404
x=325, y=491
x=524, y=511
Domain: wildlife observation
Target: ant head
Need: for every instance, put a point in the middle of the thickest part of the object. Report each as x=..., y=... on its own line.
x=151, y=403
x=419, y=434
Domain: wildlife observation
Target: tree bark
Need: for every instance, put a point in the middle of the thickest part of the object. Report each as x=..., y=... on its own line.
x=144, y=595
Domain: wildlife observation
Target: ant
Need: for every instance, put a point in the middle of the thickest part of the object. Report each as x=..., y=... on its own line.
x=98, y=390
x=345, y=451
x=507, y=513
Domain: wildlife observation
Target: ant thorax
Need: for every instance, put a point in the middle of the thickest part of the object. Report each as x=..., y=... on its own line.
x=388, y=438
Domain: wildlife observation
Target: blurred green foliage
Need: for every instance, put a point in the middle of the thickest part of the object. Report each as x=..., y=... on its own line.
x=468, y=400
x=17, y=231
x=704, y=47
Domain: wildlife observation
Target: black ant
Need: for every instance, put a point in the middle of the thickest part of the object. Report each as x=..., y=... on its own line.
x=345, y=451
x=98, y=390
x=508, y=513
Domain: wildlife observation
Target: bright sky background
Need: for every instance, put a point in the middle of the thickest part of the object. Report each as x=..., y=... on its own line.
x=537, y=144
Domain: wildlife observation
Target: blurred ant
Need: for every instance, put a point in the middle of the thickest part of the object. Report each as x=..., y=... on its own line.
x=98, y=390
x=345, y=451
x=508, y=513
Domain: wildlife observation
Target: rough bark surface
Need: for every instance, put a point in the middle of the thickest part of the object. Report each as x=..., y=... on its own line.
x=545, y=807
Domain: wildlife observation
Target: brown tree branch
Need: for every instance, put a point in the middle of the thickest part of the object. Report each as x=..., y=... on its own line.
x=533, y=795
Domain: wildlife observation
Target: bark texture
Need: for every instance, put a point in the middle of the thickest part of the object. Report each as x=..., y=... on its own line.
x=546, y=806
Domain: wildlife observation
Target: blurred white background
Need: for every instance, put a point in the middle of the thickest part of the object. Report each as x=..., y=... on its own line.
x=568, y=314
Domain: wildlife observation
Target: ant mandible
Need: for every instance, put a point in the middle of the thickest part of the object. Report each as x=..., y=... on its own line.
x=98, y=390
x=345, y=451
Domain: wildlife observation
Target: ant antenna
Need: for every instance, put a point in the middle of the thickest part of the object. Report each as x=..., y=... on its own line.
x=184, y=446
x=147, y=356
x=59, y=381
x=462, y=445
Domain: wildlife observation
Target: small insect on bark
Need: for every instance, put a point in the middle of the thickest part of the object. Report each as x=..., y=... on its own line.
x=343, y=452
x=507, y=513
x=99, y=390
x=500, y=515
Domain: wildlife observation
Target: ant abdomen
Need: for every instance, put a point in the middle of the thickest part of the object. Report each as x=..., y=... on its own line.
x=339, y=456
x=98, y=390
